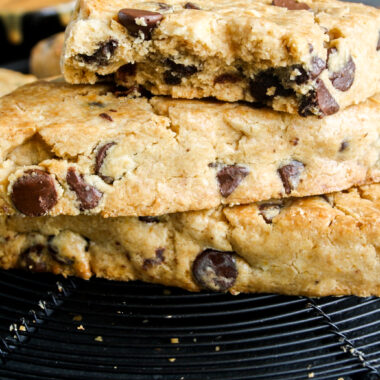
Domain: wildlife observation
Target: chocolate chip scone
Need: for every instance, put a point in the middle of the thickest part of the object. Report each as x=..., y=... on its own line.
x=311, y=57
x=313, y=246
x=45, y=56
x=69, y=149
x=10, y=80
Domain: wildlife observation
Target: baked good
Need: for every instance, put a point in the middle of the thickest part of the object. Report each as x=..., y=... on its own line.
x=10, y=80
x=311, y=57
x=96, y=150
x=45, y=57
x=317, y=246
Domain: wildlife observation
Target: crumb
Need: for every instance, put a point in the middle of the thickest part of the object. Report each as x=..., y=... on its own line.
x=145, y=321
x=80, y=327
x=310, y=375
x=99, y=338
x=169, y=316
x=22, y=328
x=195, y=340
x=172, y=360
x=77, y=318
x=217, y=348
x=42, y=305
x=59, y=286
x=174, y=340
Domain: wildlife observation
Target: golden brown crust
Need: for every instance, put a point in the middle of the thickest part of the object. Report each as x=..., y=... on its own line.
x=152, y=157
x=10, y=80
x=314, y=246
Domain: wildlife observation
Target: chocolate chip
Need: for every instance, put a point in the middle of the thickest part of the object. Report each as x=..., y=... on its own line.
x=55, y=253
x=106, y=116
x=191, y=6
x=303, y=75
x=34, y=193
x=164, y=7
x=318, y=100
x=177, y=72
x=229, y=178
x=295, y=141
x=378, y=43
x=88, y=196
x=215, y=270
x=269, y=210
x=343, y=146
x=149, y=219
x=99, y=159
x=160, y=258
x=127, y=70
x=343, y=79
x=138, y=20
x=290, y=4
x=102, y=55
x=33, y=259
x=317, y=66
x=290, y=175
x=266, y=85
x=96, y=104
x=227, y=78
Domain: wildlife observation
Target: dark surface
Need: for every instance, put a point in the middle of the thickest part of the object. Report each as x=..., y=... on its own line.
x=220, y=336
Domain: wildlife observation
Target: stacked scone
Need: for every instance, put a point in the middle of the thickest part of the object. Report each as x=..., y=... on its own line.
x=268, y=187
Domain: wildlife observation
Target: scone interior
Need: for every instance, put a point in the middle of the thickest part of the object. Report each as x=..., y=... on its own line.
x=311, y=57
x=315, y=246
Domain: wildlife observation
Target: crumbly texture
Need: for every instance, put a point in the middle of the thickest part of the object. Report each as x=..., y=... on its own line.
x=315, y=60
x=46, y=55
x=10, y=80
x=315, y=246
x=96, y=150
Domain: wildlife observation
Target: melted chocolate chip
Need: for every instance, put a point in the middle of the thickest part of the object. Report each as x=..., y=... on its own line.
x=227, y=78
x=191, y=6
x=96, y=104
x=343, y=79
x=290, y=175
x=56, y=255
x=303, y=76
x=32, y=258
x=318, y=100
x=149, y=219
x=177, y=72
x=378, y=43
x=266, y=85
x=164, y=7
x=106, y=116
x=99, y=159
x=127, y=70
x=138, y=20
x=102, y=55
x=215, y=270
x=292, y=5
x=159, y=259
x=229, y=178
x=268, y=211
x=317, y=66
x=295, y=141
x=34, y=193
x=87, y=195
x=343, y=146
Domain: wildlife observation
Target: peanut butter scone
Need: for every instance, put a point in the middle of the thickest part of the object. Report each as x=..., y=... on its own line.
x=316, y=246
x=10, y=80
x=69, y=149
x=313, y=57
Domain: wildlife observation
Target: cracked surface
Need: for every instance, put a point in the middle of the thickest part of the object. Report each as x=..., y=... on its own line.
x=234, y=50
x=311, y=247
x=159, y=156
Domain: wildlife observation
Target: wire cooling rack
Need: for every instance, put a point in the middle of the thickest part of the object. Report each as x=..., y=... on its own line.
x=56, y=328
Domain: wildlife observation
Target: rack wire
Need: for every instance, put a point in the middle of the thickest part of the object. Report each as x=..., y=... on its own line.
x=56, y=328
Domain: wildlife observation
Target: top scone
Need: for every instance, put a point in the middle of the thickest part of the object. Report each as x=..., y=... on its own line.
x=311, y=57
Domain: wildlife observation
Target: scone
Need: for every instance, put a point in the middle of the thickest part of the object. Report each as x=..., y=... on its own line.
x=46, y=55
x=312, y=57
x=10, y=80
x=315, y=246
x=69, y=149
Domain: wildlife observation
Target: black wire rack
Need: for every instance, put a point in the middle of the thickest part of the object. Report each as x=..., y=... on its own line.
x=56, y=328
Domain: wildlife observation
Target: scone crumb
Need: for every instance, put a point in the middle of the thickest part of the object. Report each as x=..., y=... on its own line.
x=310, y=375
x=22, y=328
x=172, y=360
x=80, y=327
x=99, y=339
x=217, y=348
x=174, y=340
x=77, y=318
